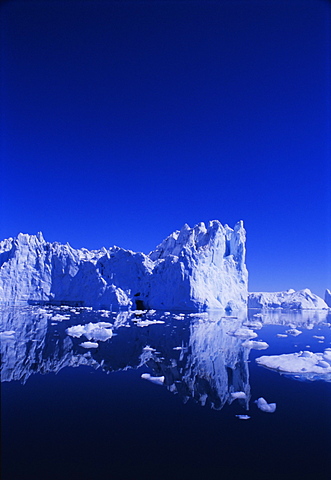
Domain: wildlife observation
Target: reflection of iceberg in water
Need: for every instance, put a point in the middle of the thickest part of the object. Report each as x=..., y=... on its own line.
x=210, y=367
x=195, y=354
x=304, y=319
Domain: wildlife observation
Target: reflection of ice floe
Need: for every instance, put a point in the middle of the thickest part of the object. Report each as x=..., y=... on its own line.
x=303, y=319
x=306, y=365
x=92, y=331
x=7, y=335
x=265, y=406
x=238, y=395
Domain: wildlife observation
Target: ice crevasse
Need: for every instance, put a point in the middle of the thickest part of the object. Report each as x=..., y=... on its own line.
x=193, y=269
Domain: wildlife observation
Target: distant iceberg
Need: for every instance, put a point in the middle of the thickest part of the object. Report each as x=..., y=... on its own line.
x=289, y=300
x=193, y=269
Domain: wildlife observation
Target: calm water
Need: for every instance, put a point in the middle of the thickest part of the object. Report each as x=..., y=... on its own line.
x=72, y=412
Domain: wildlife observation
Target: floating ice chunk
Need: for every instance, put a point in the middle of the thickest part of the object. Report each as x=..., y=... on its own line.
x=92, y=331
x=59, y=318
x=243, y=333
x=254, y=324
x=89, y=345
x=282, y=335
x=156, y=380
x=319, y=337
x=178, y=348
x=146, y=323
x=256, y=345
x=265, y=406
x=243, y=417
x=294, y=332
x=238, y=395
x=307, y=364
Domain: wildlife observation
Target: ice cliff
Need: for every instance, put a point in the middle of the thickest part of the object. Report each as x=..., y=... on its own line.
x=193, y=269
x=290, y=299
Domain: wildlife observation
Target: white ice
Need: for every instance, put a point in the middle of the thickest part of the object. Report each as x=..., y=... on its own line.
x=243, y=417
x=265, y=406
x=89, y=345
x=156, y=380
x=243, y=332
x=256, y=345
x=92, y=331
x=304, y=362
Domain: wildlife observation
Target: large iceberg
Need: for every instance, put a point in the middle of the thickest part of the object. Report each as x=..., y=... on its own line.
x=290, y=299
x=193, y=269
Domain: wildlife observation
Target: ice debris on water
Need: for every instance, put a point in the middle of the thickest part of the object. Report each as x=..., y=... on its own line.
x=89, y=345
x=243, y=417
x=243, y=332
x=265, y=406
x=294, y=332
x=304, y=362
x=92, y=331
x=156, y=380
x=255, y=344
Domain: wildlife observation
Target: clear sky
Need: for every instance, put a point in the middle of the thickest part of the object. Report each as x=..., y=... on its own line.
x=123, y=120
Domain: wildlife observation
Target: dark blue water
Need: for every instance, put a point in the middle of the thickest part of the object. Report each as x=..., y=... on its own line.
x=70, y=412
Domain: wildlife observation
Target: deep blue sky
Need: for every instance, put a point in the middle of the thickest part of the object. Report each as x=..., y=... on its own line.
x=121, y=121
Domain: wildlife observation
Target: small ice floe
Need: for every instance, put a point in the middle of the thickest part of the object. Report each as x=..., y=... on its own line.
x=255, y=344
x=243, y=332
x=282, y=335
x=89, y=345
x=238, y=395
x=7, y=335
x=243, y=417
x=319, y=337
x=156, y=380
x=178, y=348
x=92, y=331
x=294, y=332
x=258, y=315
x=60, y=318
x=146, y=323
x=265, y=406
x=254, y=324
x=180, y=316
x=308, y=365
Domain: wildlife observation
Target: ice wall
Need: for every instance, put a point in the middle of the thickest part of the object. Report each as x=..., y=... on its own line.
x=193, y=269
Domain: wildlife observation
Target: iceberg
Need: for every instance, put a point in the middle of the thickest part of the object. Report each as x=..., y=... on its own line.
x=193, y=269
x=289, y=300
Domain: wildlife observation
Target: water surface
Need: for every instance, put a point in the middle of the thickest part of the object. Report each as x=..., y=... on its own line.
x=73, y=412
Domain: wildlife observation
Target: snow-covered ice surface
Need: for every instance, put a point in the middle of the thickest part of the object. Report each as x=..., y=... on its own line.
x=193, y=269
